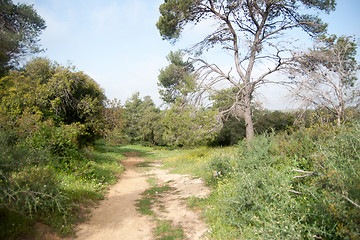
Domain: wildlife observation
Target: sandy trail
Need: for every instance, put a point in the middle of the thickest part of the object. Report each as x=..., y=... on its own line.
x=175, y=201
x=116, y=217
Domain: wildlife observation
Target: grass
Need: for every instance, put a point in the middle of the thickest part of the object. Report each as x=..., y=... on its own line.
x=152, y=181
x=150, y=197
x=166, y=230
x=250, y=198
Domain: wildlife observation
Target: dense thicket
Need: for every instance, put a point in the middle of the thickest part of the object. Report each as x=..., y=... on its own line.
x=46, y=91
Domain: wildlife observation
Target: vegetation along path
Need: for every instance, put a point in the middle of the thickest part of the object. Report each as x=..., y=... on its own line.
x=146, y=203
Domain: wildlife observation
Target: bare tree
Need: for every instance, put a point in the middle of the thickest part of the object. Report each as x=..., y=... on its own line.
x=252, y=31
x=325, y=76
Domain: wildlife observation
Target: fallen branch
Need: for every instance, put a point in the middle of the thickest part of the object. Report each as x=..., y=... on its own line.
x=309, y=174
x=302, y=176
x=352, y=202
x=301, y=171
x=293, y=191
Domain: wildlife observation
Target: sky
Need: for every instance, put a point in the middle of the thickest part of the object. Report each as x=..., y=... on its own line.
x=117, y=43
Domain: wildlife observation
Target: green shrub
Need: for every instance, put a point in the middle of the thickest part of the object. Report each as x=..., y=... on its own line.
x=31, y=190
x=302, y=185
x=44, y=178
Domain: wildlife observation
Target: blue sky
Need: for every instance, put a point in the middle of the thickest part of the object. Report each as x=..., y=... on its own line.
x=116, y=42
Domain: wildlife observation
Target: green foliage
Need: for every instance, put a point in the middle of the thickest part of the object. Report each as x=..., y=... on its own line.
x=114, y=122
x=142, y=120
x=149, y=197
x=176, y=80
x=34, y=185
x=231, y=132
x=233, y=129
x=259, y=202
x=33, y=190
x=188, y=126
x=295, y=185
x=266, y=121
x=46, y=90
x=165, y=230
x=174, y=15
x=19, y=32
x=262, y=24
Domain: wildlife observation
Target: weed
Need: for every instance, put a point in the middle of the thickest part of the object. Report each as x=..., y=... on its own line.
x=145, y=164
x=258, y=195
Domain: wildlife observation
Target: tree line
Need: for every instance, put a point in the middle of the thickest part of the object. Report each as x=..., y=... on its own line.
x=195, y=110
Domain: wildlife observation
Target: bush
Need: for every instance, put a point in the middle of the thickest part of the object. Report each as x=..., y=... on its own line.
x=299, y=186
x=34, y=189
x=39, y=184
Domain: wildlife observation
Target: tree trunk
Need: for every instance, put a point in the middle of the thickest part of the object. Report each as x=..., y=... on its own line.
x=339, y=116
x=249, y=124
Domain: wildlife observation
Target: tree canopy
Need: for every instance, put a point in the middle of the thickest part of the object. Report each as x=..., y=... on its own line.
x=177, y=79
x=20, y=27
x=142, y=120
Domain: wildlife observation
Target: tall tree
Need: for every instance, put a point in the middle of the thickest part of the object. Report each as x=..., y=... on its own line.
x=141, y=119
x=177, y=79
x=257, y=24
x=326, y=76
x=20, y=27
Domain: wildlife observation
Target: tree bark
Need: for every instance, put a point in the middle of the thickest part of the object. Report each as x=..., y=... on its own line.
x=249, y=124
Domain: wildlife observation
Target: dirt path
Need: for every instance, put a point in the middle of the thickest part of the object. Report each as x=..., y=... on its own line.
x=175, y=202
x=116, y=217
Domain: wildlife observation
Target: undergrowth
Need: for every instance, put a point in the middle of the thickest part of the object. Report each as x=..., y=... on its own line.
x=40, y=186
x=302, y=185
